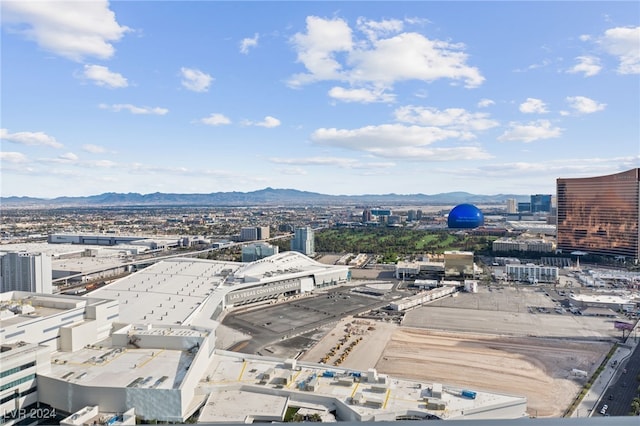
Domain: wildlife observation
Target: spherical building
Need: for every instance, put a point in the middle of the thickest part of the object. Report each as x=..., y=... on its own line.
x=465, y=216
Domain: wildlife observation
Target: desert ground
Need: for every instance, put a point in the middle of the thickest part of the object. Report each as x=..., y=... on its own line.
x=539, y=369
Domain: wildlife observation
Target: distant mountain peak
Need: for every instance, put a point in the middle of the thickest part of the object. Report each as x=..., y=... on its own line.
x=266, y=196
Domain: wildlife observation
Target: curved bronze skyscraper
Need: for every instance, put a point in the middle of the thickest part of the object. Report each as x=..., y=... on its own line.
x=600, y=215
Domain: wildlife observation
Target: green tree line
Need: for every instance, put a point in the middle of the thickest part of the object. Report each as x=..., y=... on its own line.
x=401, y=241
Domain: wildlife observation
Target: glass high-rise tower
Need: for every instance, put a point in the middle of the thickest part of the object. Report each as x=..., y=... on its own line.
x=23, y=271
x=303, y=241
x=600, y=215
x=540, y=203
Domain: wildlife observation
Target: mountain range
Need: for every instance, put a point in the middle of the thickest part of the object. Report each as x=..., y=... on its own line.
x=263, y=197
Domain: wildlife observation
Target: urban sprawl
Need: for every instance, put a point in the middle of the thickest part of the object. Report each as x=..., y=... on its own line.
x=353, y=312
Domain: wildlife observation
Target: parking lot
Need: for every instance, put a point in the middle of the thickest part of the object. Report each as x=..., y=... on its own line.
x=277, y=322
x=515, y=311
x=299, y=314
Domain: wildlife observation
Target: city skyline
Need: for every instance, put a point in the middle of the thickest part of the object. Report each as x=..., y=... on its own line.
x=339, y=98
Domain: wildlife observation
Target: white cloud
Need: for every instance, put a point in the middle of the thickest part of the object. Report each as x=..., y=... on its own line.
x=417, y=21
x=364, y=96
x=584, y=105
x=69, y=156
x=398, y=141
x=483, y=103
x=101, y=76
x=623, y=43
x=375, y=29
x=66, y=159
x=105, y=164
x=13, y=157
x=589, y=65
x=195, y=80
x=268, y=122
x=134, y=109
x=385, y=136
x=216, y=120
x=66, y=173
x=412, y=56
x=329, y=51
x=544, y=63
x=453, y=118
x=315, y=161
x=420, y=153
x=532, y=131
x=341, y=162
x=94, y=149
x=317, y=47
x=555, y=167
x=248, y=43
x=30, y=138
x=375, y=165
x=533, y=106
x=74, y=30
x=293, y=171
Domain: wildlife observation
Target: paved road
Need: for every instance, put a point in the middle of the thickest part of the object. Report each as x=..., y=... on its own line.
x=612, y=381
x=615, y=383
x=624, y=387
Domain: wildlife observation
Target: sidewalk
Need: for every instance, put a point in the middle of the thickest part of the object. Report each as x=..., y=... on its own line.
x=596, y=392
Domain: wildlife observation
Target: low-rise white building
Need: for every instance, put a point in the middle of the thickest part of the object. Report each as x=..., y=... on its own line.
x=152, y=369
x=539, y=245
x=615, y=302
x=531, y=273
x=35, y=326
x=56, y=321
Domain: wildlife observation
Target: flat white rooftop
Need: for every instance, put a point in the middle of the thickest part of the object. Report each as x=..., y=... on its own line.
x=40, y=305
x=55, y=250
x=238, y=380
x=102, y=365
x=230, y=405
x=167, y=292
x=88, y=264
x=602, y=298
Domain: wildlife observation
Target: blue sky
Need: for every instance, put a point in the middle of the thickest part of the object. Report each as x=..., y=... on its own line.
x=332, y=97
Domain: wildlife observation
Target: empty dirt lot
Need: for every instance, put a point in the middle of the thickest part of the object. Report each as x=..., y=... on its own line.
x=536, y=368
